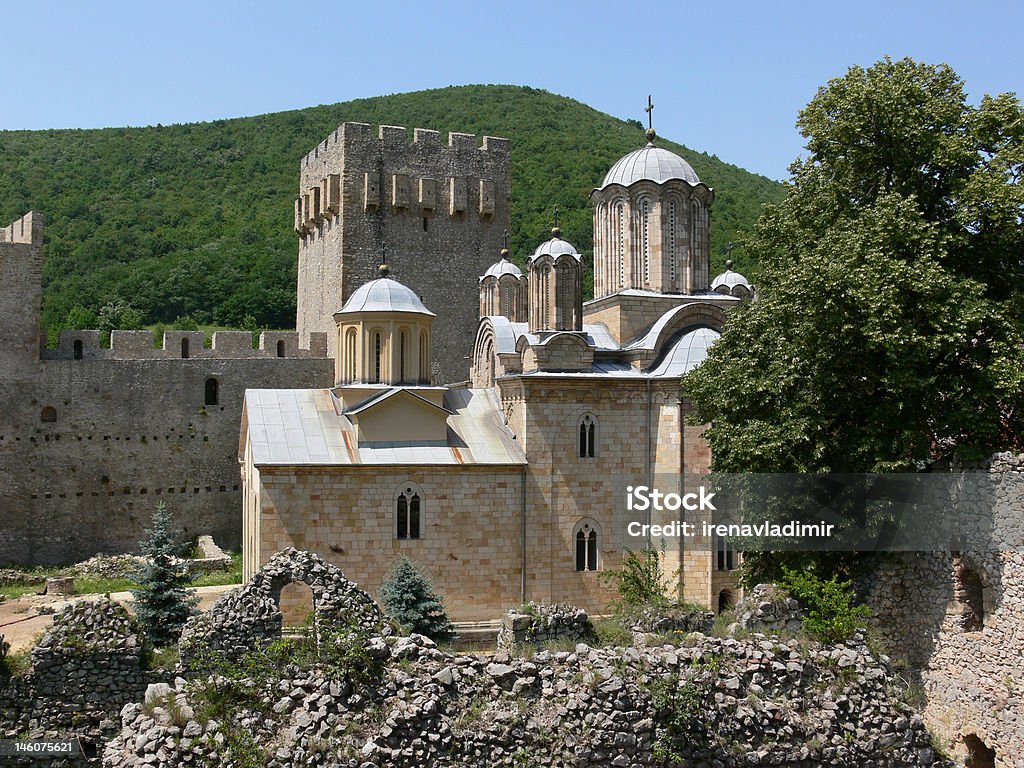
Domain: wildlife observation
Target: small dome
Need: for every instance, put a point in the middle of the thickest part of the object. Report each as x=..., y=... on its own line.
x=503, y=267
x=649, y=163
x=555, y=247
x=686, y=352
x=728, y=280
x=384, y=295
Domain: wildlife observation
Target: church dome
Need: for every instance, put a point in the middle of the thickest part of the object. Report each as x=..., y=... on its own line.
x=384, y=295
x=501, y=268
x=649, y=163
x=688, y=351
x=555, y=247
x=730, y=282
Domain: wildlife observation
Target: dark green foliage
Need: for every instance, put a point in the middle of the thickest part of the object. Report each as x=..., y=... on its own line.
x=163, y=602
x=639, y=581
x=196, y=219
x=828, y=604
x=409, y=598
x=680, y=710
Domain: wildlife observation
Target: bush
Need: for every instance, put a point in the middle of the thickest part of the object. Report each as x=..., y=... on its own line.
x=639, y=582
x=163, y=601
x=830, y=613
x=409, y=599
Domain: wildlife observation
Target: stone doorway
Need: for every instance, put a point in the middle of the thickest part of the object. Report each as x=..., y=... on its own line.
x=979, y=755
x=296, y=605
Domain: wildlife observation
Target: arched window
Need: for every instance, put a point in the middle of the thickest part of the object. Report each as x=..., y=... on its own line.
x=403, y=342
x=408, y=512
x=424, y=358
x=563, y=311
x=280, y=348
x=621, y=244
x=184, y=347
x=78, y=349
x=725, y=554
x=377, y=348
x=586, y=538
x=48, y=415
x=672, y=243
x=350, y=354
x=587, y=436
x=211, y=391
x=645, y=239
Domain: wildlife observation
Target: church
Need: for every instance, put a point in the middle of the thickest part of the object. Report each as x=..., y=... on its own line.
x=507, y=487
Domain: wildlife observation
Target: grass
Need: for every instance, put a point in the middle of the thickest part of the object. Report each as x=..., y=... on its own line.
x=221, y=578
x=92, y=586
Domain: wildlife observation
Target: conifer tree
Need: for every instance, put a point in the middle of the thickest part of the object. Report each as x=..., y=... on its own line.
x=409, y=598
x=163, y=601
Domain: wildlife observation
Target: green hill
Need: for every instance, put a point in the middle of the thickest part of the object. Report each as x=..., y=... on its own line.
x=197, y=219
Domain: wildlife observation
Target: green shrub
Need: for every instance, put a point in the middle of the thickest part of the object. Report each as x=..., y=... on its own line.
x=163, y=601
x=639, y=581
x=409, y=599
x=828, y=604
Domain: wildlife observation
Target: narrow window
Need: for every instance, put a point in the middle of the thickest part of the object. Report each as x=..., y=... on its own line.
x=401, y=357
x=644, y=233
x=48, y=415
x=78, y=349
x=211, y=391
x=184, y=348
x=376, y=358
x=424, y=359
x=725, y=554
x=350, y=354
x=280, y=348
x=408, y=514
x=622, y=246
x=424, y=223
x=588, y=437
x=586, y=539
x=672, y=243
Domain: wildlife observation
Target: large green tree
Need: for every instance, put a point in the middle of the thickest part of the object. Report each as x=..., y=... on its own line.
x=887, y=328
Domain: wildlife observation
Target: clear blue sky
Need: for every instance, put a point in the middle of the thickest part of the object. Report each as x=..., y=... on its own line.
x=727, y=77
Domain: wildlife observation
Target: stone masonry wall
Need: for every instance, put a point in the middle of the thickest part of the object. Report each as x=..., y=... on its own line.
x=966, y=649
x=440, y=209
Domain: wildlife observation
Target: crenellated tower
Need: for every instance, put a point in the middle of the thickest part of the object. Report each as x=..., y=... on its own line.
x=21, y=290
x=441, y=209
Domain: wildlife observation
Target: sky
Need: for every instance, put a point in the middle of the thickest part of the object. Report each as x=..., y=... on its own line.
x=727, y=78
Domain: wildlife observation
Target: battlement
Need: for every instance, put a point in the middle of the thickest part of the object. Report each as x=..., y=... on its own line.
x=28, y=230
x=394, y=136
x=226, y=345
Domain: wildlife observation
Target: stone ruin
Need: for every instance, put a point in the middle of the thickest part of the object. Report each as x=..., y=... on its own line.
x=251, y=617
x=539, y=624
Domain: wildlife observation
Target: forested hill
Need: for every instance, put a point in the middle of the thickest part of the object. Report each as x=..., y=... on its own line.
x=196, y=220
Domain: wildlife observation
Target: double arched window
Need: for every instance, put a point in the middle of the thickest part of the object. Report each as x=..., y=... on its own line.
x=408, y=512
x=587, y=431
x=586, y=537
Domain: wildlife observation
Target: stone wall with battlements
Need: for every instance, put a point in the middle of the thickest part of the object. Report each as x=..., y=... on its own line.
x=92, y=438
x=440, y=209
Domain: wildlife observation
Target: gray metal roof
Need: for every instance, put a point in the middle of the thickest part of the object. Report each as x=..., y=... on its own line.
x=689, y=351
x=384, y=295
x=651, y=163
x=556, y=247
x=304, y=427
x=503, y=267
x=729, y=279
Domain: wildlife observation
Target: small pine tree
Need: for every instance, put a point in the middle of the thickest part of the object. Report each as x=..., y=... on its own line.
x=409, y=599
x=163, y=601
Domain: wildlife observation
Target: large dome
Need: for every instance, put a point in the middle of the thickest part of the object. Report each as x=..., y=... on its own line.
x=649, y=163
x=503, y=267
x=384, y=295
x=555, y=247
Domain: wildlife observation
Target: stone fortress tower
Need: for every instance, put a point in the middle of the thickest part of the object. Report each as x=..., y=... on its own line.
x=439, y=210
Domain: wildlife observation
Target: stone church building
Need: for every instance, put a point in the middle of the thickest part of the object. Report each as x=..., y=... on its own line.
x=508, y=487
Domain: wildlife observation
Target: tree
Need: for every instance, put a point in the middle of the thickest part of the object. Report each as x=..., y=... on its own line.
x=163, y=602
x=887, y=329
x=409, y=599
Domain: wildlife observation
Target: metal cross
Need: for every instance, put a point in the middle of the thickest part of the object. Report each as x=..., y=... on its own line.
x=649, y=110
x=728, y=250
x=504, y=240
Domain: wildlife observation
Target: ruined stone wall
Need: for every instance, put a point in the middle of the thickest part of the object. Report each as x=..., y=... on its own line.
x=965, y=646
x=441, y=210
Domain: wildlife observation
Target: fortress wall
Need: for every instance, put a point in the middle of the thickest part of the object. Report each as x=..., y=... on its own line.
x=21, y=270
x=440, y=209
x=972, y=675
x=127, y=434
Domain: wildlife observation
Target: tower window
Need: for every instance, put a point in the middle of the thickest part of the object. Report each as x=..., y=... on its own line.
x=211, y=391
x=725, y=554
x=424, y=358
x=78, y=349
x=376, y=357
x=280, y=348
x=588, y=437
x=402, y=343
x=48, y=415
x=350, y=354
x=408, y=513
x=586, y=541
x=184, y=348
